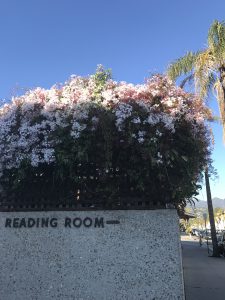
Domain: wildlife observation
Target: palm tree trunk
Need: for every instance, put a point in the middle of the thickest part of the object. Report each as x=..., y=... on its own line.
x=211, y=216
x=221, y=98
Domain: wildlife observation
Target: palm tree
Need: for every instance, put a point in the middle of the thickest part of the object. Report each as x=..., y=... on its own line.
x=207, y=68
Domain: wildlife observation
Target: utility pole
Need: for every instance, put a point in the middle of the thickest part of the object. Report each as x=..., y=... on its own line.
x=211, y=216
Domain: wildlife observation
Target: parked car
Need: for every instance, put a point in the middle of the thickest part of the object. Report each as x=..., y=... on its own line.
x=198, y=233
x=221, y=243
x=206, y=234
x=194, y=231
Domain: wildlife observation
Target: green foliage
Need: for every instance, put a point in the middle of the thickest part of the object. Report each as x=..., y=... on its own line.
x=112, y=165
x=101, y=76
x=182, y=65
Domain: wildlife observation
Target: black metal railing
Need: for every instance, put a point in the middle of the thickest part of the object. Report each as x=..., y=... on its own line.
x=73, y=204
x=92, y=189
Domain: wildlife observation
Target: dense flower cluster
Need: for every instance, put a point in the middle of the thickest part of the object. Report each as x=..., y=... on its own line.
x=35, y=127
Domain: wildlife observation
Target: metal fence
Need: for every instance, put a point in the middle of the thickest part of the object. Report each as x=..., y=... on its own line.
x=73, y=204
x=94, y=189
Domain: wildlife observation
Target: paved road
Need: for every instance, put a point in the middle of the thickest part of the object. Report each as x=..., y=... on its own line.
x=204, y=276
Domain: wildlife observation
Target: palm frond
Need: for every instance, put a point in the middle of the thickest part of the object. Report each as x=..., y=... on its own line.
x=204, y=67
x=209, y=83
x=221, y=102
x=182, y=65
x=187, y=79
x=216, y=41
x=216, y=86
x=216, y=34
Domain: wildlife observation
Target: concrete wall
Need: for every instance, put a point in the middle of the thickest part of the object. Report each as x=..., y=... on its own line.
x=79, y=255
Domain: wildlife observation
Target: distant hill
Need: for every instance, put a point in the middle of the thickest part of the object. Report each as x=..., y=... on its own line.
x=217, y=202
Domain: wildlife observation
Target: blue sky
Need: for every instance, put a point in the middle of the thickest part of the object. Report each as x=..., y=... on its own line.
x=45, y=41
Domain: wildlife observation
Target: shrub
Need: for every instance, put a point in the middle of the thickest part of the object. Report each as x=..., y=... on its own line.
x=97, y=138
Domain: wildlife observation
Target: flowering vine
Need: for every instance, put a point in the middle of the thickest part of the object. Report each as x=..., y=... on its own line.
x=144, y=133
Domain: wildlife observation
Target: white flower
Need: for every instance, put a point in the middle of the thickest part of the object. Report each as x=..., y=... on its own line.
x=29, y=123
x=76, y=129
x=136, y=120
x=158, y=133
x=95, y=120
x=153, y=119
x=141, y=140
x=122, y=112
x=159, y=155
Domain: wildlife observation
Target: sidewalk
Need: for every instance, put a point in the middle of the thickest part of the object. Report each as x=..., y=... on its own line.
x=204, y=276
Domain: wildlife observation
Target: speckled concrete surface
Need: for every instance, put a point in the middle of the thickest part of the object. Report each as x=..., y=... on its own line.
x=139, y=258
